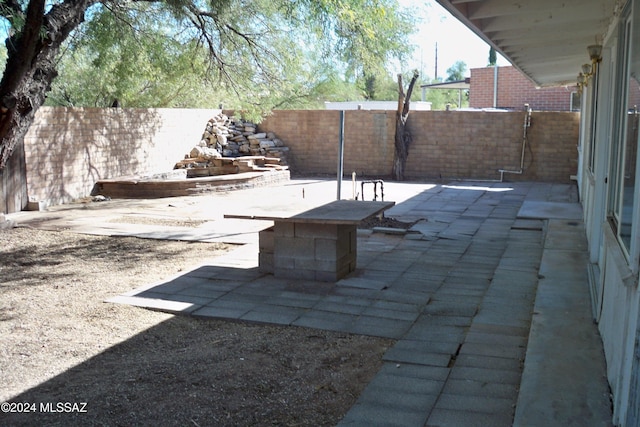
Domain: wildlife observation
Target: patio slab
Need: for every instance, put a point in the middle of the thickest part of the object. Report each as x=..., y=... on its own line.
x=458, y=297
x=535, y=209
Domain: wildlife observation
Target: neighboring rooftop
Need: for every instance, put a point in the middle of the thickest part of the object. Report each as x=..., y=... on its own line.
x=375, y=105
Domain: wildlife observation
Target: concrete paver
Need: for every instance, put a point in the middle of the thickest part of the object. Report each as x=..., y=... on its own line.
x=563, y=321
x=487, y=296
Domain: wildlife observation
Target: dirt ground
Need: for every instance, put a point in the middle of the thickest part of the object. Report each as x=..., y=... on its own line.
x=69, y=358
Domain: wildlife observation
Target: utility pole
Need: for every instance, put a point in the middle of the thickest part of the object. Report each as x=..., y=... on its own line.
x=436, y=73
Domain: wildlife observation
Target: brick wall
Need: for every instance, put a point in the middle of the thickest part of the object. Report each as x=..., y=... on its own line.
x=67, y=150
x=446, y=145
x=515, y=90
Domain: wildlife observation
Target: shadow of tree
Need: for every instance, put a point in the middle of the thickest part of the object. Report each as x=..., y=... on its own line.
x=80, y=146
x=120, y=253
x=188, y=371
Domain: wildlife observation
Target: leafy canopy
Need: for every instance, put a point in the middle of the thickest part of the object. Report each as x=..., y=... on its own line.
x=253, y=55
x=456, y=72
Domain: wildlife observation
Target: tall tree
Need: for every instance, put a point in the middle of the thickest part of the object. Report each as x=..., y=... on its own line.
x=369, y=87
x=456, y=72
x=259, y=39
x=402, y=138
x=140, y=68
x=493, y=58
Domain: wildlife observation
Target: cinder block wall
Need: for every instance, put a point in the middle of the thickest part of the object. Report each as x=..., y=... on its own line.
x=446, y=145
x=478, y=144
x=313, y=139
x=67, y=150
x=515, y=90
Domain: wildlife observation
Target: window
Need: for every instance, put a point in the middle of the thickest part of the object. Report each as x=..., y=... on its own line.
x=624, y=147
x=575, y=101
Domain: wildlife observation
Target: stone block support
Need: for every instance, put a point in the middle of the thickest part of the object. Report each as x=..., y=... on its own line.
x=324, y=252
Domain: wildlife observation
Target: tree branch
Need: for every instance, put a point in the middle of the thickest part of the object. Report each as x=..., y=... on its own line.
x=401, y=95
x=407, y=100
x=13, y=8
x=21, y=49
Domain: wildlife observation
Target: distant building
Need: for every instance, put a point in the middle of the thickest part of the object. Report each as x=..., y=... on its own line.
x=460, y=85
x=507, y=88
x=375, y=105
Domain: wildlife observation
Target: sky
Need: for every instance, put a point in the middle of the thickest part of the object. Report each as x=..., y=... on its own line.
x=455, y=41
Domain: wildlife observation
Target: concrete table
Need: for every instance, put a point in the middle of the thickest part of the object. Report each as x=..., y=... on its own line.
x=318, y=244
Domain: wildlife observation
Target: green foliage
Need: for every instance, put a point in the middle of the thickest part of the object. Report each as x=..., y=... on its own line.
x=331, y=89
x=369, y=86
x=379, y=86
x=251, y=56
x=493, y=58
x=14, y=20
x=388, y=88
x=365, y=33
x=125, y=55
x=454, y=98
x=456, y=72
x=440, y=98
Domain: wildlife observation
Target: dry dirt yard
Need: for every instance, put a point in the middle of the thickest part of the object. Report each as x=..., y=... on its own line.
x=69, y=358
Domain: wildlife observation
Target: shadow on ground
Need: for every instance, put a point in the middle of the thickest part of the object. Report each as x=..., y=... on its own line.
x=188, y=371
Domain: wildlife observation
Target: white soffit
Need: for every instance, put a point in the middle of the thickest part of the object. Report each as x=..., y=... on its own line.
x=545, y=39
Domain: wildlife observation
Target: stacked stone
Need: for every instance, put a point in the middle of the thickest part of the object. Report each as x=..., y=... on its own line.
x=234, y=137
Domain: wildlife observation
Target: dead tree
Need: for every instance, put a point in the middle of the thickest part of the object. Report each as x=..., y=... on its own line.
x=402, y=136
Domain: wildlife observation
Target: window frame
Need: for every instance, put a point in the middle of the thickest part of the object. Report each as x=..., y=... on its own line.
x=623, y=222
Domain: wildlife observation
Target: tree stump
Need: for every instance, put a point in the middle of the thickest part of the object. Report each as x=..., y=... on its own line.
x=402, y=138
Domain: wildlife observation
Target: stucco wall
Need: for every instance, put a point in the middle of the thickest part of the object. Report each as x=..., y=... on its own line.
x=68, y=150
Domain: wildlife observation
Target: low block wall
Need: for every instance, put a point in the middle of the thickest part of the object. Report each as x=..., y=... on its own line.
x=68, y=149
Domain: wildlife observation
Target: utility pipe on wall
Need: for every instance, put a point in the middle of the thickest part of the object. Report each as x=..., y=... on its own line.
x=527, y=124
x=495, y=86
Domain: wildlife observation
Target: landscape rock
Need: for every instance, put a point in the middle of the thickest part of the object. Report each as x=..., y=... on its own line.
x=227, y=138
x=6, y=223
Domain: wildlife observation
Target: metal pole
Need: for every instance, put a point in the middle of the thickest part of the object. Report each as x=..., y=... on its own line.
x=495, y=86
x=340, y=155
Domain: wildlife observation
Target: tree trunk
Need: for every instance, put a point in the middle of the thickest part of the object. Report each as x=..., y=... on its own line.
x=31, y=65
x=402, y=135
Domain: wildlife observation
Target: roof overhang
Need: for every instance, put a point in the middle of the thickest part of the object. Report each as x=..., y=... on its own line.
x=545, y=39
x=458, y=84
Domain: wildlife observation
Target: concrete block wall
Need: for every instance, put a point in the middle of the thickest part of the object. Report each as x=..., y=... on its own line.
x=515, y=90
x=477, y=145
x=266, y=241
x=461, y=145
x=446, y=144
x=312, y=251
x=312, y=137
x=552, y=149
x=69, y=149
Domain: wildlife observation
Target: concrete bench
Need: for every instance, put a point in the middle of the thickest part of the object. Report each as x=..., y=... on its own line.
x=318, y=244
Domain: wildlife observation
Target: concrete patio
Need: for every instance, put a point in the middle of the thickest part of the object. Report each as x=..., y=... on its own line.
x=487, y=294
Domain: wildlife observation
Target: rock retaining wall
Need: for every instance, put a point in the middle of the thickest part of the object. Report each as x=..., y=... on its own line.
x=232, y=145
